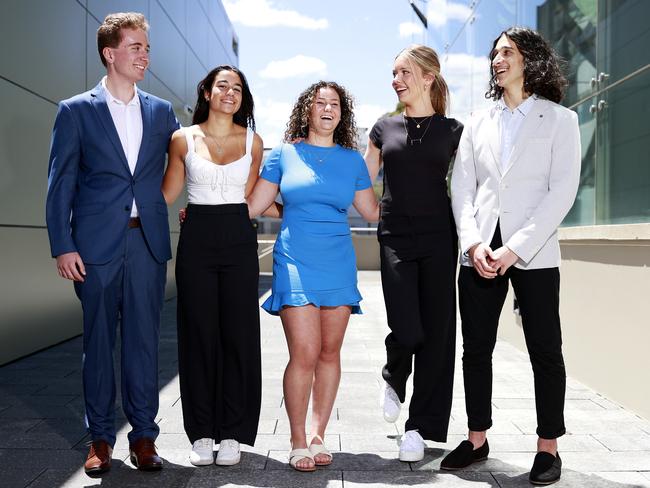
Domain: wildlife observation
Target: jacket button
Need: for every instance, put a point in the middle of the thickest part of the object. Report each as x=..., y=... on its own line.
x=127, y=208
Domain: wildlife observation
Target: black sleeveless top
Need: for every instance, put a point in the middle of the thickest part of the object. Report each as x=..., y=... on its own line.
x=416, y=162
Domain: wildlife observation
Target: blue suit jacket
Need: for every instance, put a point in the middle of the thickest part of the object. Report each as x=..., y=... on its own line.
x=90, y=186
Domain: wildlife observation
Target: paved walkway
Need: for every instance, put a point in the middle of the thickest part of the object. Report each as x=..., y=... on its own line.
x=43, y=441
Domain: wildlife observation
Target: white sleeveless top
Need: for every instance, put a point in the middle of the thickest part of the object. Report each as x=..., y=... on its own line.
x=216, y=184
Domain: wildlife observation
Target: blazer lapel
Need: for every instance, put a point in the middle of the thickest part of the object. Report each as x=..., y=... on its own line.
x=528, y=128
x=494, y=137
x=145, y=110
x=104, y=115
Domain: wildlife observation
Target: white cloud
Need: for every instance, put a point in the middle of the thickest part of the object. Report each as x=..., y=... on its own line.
x=262, y=13
x=366, y=114
x=467, y=77
x=439, y=12
x=407, y=29
x=271, y=117
x=294, y=67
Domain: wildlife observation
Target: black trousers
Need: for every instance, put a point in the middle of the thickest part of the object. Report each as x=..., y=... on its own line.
x=219, y=357
x=481, y=301
x=418, y=273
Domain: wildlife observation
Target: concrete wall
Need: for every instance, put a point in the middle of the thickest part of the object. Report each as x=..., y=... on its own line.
x=605, y=311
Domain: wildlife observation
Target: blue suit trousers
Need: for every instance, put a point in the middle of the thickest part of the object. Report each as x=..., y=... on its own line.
x=128, y=289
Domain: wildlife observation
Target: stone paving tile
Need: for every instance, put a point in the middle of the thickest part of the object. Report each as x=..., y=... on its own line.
x=572, y=479
x=380, y=479
x=606, y=445
x=13, y=477
x=619, y=442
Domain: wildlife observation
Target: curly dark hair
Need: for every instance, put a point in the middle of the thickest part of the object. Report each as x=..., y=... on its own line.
x=542, y=66
x=345, y=133
x=243, y=117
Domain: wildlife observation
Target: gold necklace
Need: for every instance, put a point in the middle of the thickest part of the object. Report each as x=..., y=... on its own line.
x=414, y=141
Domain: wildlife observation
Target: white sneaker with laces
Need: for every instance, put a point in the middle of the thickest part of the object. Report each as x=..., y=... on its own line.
x=389, y=403
x=202, y=453
x=228, y=453
x=411, y=448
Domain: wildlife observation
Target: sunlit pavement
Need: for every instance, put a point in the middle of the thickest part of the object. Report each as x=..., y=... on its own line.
x=43, y=439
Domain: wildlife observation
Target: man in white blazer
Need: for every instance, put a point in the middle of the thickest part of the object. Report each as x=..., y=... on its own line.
x=515, y=178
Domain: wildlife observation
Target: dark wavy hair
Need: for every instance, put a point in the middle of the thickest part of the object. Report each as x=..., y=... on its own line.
x=345, y=133
x=243, y=117
x=542, y=66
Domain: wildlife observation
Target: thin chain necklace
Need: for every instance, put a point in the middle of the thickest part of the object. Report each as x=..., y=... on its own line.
x=219, y=141
x=411, y=140
x=415, y=119
x=313, y=155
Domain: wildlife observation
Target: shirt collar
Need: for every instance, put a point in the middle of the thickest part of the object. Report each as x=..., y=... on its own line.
x=111, y=99
x=524, y=107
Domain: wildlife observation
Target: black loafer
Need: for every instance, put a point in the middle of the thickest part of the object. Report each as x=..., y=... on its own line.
x=464, y=455
x=546, y=469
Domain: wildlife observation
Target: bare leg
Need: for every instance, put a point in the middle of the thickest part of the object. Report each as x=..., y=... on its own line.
x=333, y=321
x=547, y=445
x=302, y=329
x=477, y=438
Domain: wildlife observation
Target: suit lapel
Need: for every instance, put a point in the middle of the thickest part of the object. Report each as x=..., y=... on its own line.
x=104, y=115
x=145, y=110
x=494, y=138
x=528, y=128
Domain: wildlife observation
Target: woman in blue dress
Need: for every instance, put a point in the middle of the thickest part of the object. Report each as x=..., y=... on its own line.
x=314, y=265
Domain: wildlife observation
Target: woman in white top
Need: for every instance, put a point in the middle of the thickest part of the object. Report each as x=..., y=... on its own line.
x=217, y=268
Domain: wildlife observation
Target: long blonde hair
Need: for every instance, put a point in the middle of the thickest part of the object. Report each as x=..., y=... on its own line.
x=427, y=60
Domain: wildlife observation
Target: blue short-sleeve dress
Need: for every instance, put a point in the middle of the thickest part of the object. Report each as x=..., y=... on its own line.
x=313, y=257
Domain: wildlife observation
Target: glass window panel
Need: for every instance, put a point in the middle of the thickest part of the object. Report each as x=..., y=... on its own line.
x=584, y=208
x=623, y=178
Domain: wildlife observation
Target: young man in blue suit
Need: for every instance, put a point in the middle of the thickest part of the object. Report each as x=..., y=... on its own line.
x=515, y=178
x=108, y=230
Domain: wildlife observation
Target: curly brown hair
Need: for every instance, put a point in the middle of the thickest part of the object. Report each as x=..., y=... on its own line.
x=543, y=68
x=345, y=133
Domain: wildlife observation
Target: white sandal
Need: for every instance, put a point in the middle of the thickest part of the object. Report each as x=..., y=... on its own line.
x=316, y=449
x=296, y=455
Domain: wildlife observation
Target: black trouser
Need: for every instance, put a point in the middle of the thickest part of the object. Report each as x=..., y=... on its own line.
x=218, y=323
x=481, y=301
x=418, y=278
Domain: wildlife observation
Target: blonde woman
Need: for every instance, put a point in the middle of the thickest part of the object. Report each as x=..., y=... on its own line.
x=418, y=248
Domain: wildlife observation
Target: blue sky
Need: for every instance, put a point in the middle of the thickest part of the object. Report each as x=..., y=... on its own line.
x=285, y=45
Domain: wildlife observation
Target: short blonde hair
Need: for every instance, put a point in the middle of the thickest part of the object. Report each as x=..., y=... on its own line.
x=109, y=33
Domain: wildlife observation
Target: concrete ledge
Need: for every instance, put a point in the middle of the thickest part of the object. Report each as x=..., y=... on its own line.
x=622, y=232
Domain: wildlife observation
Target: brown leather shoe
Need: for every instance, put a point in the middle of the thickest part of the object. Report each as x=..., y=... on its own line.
x=144, y=455
x=99, y=458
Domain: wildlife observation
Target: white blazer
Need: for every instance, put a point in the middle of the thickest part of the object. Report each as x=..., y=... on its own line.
x=531, y=197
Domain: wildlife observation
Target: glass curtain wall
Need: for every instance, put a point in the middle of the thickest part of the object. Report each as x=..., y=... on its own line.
x=606, y=44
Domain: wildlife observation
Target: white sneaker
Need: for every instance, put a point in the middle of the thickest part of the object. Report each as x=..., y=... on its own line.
x=389, y=403
x=411, y=447
x=202, y=453
x=228, y=453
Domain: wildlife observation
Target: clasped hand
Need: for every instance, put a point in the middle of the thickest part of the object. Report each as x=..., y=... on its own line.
x=489, y=263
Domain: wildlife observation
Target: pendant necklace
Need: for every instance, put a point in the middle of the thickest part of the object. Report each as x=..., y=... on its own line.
x=313, y=155
x=411, y=141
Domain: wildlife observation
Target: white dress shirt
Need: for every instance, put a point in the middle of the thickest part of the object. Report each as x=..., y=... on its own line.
x=509, y=125
x=127, y=119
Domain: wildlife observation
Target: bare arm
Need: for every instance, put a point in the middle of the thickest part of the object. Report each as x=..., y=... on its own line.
x=373, y=160
x=253, y=197
x=366, y=204
x=262, y=197
x=174, y=178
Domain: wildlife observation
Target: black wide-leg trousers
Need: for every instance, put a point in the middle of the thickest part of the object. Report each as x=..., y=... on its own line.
x=219, y=355
x=418, y=274
x=481, y=301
